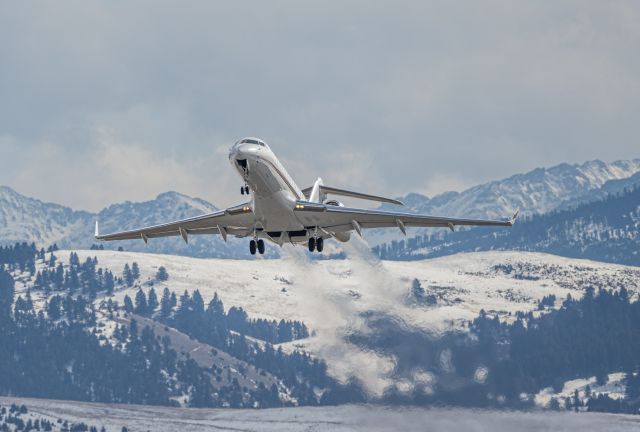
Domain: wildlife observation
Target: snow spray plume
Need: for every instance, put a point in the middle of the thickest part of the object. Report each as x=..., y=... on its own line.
x=362, y=335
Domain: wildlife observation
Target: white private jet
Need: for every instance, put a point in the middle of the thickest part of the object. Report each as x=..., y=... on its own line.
x=281, y=212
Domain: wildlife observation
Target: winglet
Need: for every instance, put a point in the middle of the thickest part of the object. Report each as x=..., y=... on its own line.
x=514, y=217
x=97, y=232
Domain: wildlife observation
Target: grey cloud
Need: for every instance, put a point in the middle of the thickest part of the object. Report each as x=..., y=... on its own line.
x=431, y=94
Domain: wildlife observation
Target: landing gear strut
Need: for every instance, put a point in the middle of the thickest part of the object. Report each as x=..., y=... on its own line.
x=256, y=245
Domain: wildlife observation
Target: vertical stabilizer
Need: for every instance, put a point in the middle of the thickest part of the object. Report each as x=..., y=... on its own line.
x=316, y=194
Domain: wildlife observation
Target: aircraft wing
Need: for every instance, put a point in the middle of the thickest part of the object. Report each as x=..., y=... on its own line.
x=236, y=220
x=336, y=219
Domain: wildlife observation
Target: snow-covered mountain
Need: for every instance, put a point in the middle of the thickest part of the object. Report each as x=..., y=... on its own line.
x=31, y=220
x=165, y=207
x=535, y=192
x=605, y=230
x=539, y=191
x=28, y=219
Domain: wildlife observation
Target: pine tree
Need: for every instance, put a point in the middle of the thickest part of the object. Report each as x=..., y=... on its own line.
x=109, y=283
x=73, y=282
x=632, y=386
x=162, y=274
x=127, y=275
x=152, y=300
x=135, y=271
x=141, y=302
x=128, y=304
x=31, y=267
x=74, y=260
x=38, y=284
x=165, y=304
x=6, y=294
x=216, y=307
x=197, y=302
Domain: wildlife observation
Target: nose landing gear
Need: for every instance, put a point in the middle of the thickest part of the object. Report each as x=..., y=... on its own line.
x=244, y=190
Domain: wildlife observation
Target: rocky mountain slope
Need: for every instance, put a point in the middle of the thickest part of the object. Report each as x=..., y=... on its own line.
x=31, y=220
x=606, y=230
x=536, y=192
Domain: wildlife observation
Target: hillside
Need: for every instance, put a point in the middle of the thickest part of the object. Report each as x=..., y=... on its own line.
x=606, y=230
x=220, y=332
x=336, y=297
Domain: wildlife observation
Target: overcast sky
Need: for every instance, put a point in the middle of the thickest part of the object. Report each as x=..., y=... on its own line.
x=119, y=100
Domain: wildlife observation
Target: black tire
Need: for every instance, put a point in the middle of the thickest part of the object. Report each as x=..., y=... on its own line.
x=261, y=246
x=312, y=244
x=319, y=244
x=246, y=190
x=242, y=190
x=252, y=247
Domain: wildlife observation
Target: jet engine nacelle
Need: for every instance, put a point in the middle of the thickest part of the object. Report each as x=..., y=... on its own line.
x=341, y=236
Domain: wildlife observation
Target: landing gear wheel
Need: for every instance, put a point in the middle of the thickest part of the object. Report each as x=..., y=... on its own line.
x=319, y=244
x=312, y=244
x=261, y=246
x=246, y=190
x=241, y=190
x=252, y=247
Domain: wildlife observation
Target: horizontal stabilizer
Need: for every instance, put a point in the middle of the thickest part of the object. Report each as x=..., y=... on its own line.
x=343, y=192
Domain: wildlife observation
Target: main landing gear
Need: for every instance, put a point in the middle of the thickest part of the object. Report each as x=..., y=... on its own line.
x=256, y=245
x=244, y=190
x=316, y=244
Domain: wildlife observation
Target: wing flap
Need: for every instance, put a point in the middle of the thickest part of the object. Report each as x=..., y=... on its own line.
x=342, y=218
x=236, y=220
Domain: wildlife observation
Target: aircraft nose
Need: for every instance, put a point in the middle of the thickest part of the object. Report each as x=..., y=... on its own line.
x=235, y=152
x=239, y=154
x=243, y=150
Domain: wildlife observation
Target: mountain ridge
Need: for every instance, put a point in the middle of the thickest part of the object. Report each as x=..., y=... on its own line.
x=538, y=191
x=606, y=230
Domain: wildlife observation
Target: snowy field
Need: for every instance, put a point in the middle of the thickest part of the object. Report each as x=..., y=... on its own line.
x=342, y=418
x=333, y=296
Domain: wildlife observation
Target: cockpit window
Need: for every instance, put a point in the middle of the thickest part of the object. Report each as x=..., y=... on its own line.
x=252, y=141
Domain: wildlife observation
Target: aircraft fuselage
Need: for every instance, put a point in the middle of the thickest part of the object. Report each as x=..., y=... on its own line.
x=273, y=191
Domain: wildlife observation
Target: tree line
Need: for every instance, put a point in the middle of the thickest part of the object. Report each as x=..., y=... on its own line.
x=190, y=313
